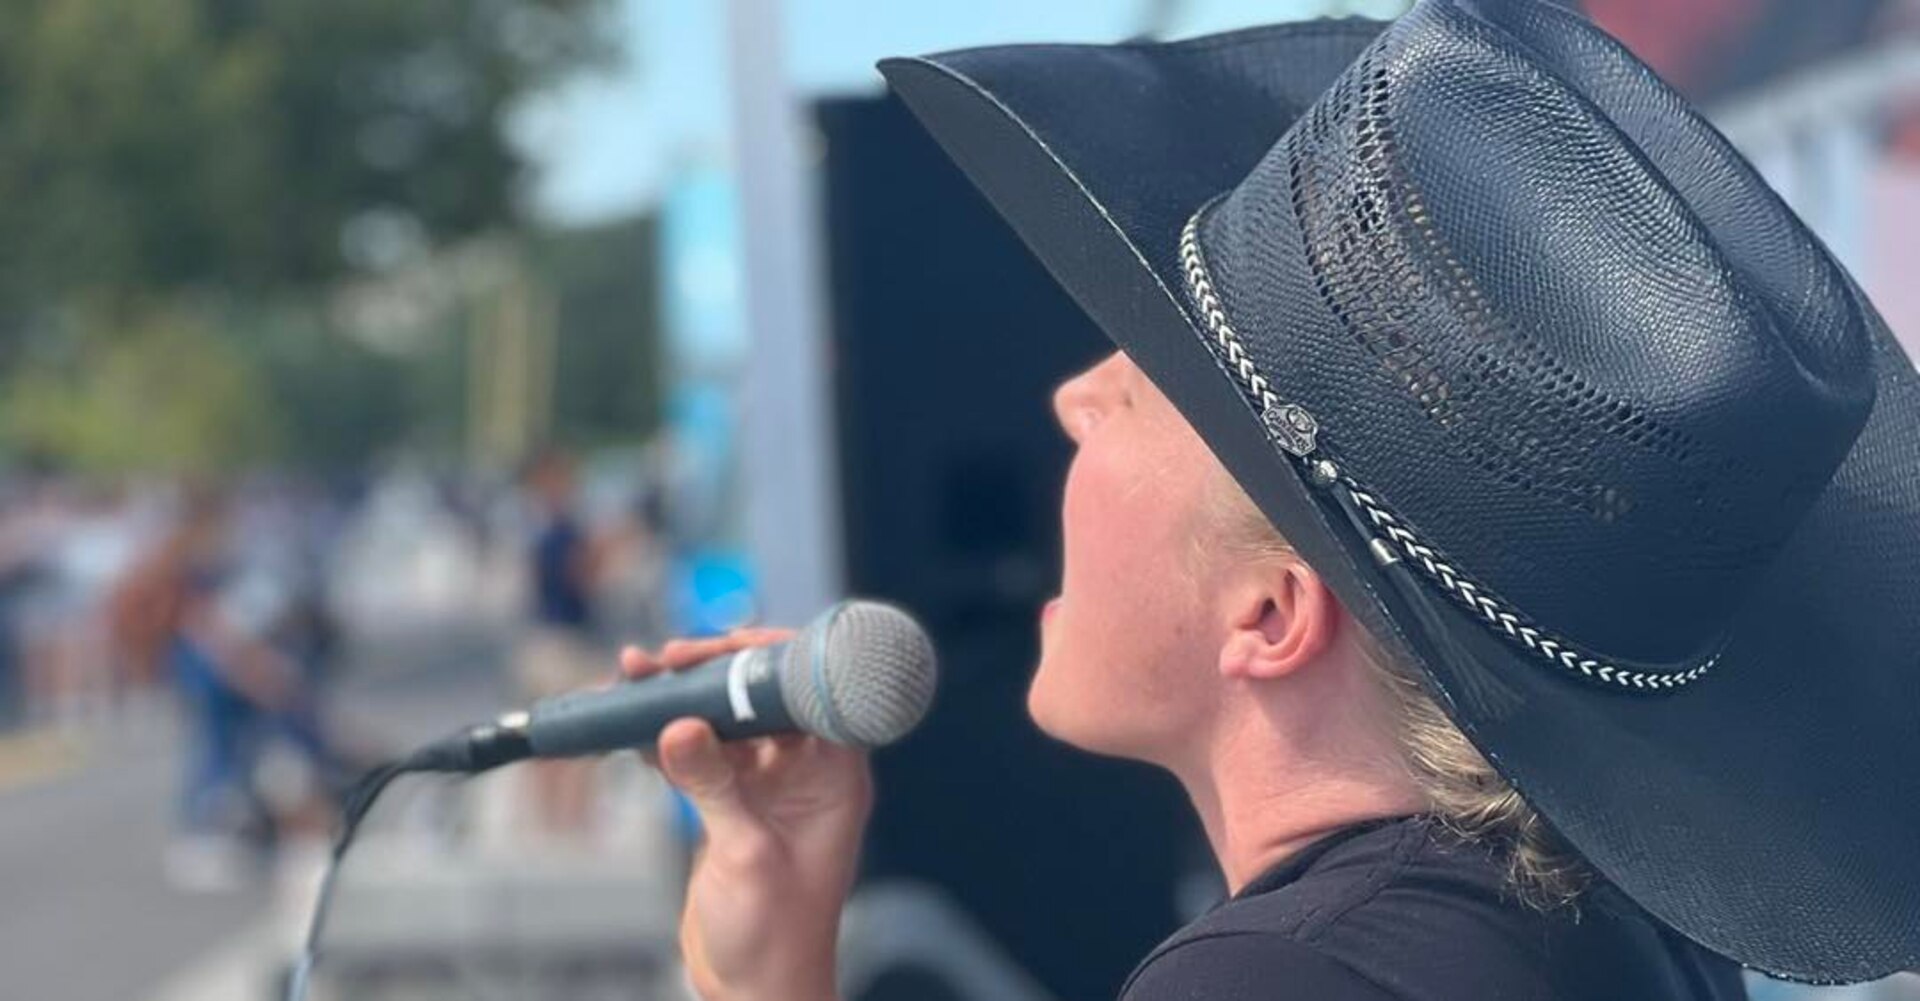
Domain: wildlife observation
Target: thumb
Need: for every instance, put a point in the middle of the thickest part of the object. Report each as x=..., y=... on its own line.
x=696, y=764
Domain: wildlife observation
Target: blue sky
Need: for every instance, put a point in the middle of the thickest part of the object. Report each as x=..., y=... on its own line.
x=606, y=143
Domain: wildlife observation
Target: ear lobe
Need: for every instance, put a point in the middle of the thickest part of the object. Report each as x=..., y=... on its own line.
x=1283, y=625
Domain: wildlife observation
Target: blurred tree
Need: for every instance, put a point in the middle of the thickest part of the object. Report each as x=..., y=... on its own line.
x=175, y=395
x=185, y=183
x=336, y=400
x=605, y=359
x=259, y=144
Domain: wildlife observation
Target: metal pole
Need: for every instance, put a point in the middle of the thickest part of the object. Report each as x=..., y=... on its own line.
x=788, y=454
x=1844, y=156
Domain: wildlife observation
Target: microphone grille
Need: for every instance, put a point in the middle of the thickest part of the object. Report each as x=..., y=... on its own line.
x=863, y=674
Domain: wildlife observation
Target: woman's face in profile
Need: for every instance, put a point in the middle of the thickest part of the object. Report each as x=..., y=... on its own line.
x=1128, y=648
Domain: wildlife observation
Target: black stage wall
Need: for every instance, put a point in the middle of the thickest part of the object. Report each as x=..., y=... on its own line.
x=947, y=339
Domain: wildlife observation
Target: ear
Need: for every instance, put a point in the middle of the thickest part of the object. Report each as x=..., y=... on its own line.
x=1279, y=621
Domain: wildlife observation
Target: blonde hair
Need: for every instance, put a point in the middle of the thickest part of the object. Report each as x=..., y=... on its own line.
x=1462, y=789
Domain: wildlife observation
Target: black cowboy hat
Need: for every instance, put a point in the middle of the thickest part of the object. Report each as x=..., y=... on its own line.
x=1560, y=399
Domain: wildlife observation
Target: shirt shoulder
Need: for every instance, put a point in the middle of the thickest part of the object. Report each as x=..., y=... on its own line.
x=1247, y=966
x=1420, y=914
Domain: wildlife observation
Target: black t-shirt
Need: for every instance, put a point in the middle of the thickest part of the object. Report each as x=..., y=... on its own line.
x=1402, y=910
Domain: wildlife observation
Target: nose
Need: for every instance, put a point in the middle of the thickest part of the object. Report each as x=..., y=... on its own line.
x=1080, y=402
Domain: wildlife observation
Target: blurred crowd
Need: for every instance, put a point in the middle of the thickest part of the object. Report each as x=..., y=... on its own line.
x=229, y=606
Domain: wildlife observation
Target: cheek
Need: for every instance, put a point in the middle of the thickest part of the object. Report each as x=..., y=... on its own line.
x=1123, y=525
x=1128, y=602
x=1119, y=654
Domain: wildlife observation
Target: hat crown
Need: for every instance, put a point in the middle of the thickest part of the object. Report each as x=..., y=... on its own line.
x=1565, y=331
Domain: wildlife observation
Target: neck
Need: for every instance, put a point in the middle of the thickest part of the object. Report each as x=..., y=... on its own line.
x=1265, y=789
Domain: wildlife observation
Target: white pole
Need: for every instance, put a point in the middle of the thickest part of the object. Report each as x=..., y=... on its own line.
x=788, y=454
x=1843, y=153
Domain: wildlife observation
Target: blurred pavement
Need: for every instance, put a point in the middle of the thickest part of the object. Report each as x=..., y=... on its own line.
x=85, y=816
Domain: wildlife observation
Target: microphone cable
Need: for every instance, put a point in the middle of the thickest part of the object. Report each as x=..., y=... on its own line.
x=466, y=752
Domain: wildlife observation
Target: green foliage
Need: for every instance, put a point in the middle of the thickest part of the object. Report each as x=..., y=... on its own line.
x=607, y=357
x=184, y=183
x=335, y=401
x=172, y=394
x=259, y=144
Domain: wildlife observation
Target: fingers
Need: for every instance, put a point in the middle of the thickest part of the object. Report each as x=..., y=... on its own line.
x=675, y=655
x=637, y=663
x=679, y=654
x=770, y=751
x=699, y=765
x=749, y=757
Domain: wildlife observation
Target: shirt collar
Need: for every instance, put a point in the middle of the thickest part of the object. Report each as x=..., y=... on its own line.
x=1296, y=865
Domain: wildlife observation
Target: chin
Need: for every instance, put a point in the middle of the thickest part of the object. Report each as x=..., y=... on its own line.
x=1071, y=723
x=1049, y=717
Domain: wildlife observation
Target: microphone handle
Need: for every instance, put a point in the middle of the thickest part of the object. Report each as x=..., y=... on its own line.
x=739, y=694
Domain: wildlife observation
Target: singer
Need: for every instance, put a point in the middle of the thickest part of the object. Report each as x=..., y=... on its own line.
x=1500, y=516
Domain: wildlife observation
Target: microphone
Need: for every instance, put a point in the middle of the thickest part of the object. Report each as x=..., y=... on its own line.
x=862, y=674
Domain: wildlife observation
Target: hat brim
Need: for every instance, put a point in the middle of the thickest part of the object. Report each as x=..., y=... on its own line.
x=1769, y=812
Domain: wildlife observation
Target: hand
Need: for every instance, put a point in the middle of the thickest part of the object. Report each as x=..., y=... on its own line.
x=783, y=818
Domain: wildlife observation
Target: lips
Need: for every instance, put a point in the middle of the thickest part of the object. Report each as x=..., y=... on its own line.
x=1046, y=611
